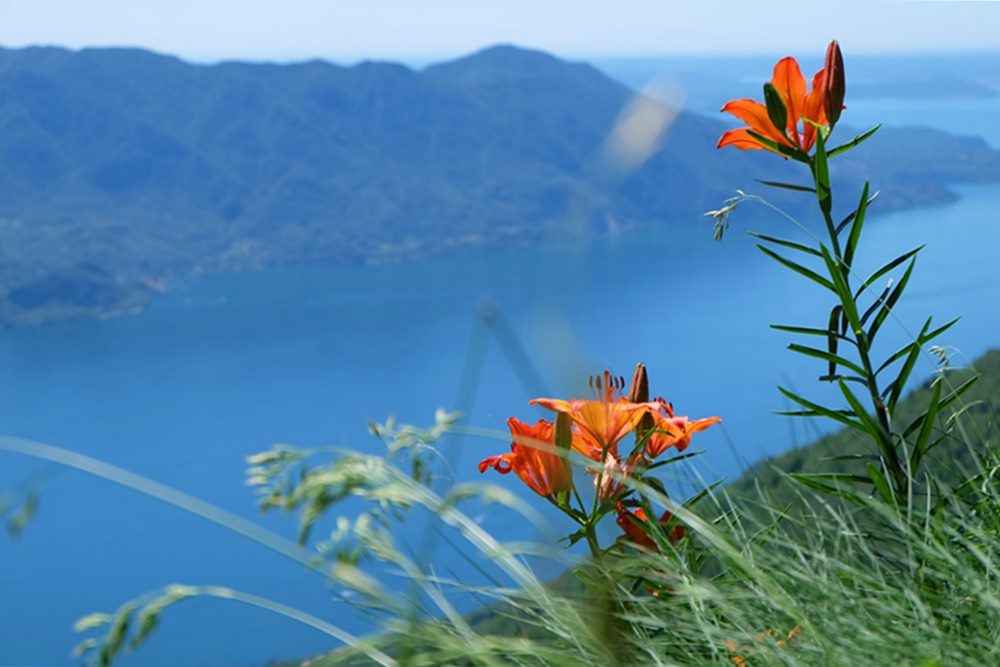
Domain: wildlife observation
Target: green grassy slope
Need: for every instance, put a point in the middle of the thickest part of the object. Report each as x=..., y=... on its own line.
x=981, y=405
x=950, y=461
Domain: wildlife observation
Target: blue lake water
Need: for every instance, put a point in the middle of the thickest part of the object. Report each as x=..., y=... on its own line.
x=228, y=365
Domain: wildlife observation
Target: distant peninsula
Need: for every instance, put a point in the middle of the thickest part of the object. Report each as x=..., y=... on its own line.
x=124, y=172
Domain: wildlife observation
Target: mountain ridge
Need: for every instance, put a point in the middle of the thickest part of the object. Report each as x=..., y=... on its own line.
x=123, y=171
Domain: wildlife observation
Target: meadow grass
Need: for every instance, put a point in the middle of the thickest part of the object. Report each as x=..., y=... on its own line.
x=787, y=576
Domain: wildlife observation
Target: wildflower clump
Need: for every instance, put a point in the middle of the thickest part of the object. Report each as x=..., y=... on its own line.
x=593, y=432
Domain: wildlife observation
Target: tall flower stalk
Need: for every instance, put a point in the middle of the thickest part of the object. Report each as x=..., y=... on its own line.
x=791, y=122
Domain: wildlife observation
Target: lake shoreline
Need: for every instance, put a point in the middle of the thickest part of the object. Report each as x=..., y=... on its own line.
x=138, y=297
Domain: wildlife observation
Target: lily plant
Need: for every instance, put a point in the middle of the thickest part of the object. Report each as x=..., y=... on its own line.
x=796, y=123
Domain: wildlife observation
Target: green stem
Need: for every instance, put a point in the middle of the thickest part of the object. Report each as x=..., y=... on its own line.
x=881, y=411
x=863, y=346
x=592, y=542
x=831, y=228
x=579, y=500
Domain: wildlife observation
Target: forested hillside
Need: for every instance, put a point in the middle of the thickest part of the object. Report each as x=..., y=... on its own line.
x=123, y=171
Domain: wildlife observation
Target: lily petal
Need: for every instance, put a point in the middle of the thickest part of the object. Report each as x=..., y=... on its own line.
x=534, y=458
x=791, y=85
x=554, y=404
x=500, y=463
x=675, y=432
x=754, y=114
x=814, y=109
x=740, y=139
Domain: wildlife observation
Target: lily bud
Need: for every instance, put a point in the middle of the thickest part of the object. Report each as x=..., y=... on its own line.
x=639, y=389
x=834, y=84
x=639, y=393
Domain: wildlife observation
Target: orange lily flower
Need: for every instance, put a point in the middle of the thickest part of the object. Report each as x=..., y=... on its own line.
x=807, y=107
x=671, y=431
x=600, y=423
x=533, y=457
x=629, y=521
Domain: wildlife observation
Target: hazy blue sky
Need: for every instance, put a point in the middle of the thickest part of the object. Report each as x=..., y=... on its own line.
x=426, y=29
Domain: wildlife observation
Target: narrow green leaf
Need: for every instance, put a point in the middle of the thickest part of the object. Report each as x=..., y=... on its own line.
x=788, y=244
x=798, y=268
x=875, y=305
x=826, y=356
x=819, y=410
x=821, y=172
x=776, y=111
x=940, y=330
x=673, y=459
x=845, y=378
x=850, y=216
x=856, y=141
x=836, y=315
x=809, y=331
x=906, y=349
x=890, y=302
x=851, y=457
x=916, y=346
x=899, y=384
x=787, y=151
x=926, y=428
x=953, y=396
x=871, y=426
x=859, y=221
x=882, y=439
x=881, y=484
x=696, y=498
x=956, y=393
x=787, y=186
x=843, y=290
x=885, y=269
x=810, y=413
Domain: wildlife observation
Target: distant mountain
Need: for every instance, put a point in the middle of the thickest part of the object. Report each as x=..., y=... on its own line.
x=123, y=171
